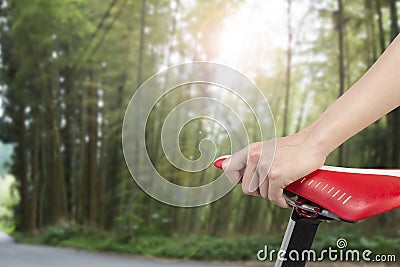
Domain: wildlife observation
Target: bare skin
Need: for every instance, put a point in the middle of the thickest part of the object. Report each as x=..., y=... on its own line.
x=375, y=94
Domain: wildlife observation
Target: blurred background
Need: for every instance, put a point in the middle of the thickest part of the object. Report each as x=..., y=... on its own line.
x=69, y=68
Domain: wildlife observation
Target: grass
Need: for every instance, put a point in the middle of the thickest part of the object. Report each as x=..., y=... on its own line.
x=199, y=247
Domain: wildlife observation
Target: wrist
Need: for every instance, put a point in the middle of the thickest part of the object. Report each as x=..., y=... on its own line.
x=319, y=141
x=297, y=138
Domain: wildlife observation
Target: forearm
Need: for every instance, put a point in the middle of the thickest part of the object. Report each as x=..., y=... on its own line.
x=375, y=94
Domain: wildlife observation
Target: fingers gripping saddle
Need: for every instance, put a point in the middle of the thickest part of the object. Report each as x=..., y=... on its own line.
x=333, y=193
x=343, y=193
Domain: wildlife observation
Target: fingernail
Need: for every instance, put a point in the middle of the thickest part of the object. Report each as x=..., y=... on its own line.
x=253, y=188
x=225, y=164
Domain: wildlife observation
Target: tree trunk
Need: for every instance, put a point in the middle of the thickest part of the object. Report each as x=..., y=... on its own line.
x=22, y=171
x=81, y=181
x=370, y=29
x=339, y=27
x=141, y=43
x=380, y=26
x=35, y=177
x=68, y=142
x=92, y=152
x=288, y=69
x=114, y=160
x=101, y=172
x=393, y=148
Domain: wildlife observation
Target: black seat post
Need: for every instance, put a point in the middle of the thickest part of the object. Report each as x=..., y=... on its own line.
x=298, y=238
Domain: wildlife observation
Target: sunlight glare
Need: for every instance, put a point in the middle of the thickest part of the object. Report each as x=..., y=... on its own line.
x=254, y=29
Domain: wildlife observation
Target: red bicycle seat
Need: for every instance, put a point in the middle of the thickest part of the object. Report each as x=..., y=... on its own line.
x=349, y=193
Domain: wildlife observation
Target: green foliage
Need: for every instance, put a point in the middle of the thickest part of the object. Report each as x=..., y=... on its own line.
x=203, y=247
x=193, y=247
x=9, y=198
x=129, y=224
x=357, y=238
x=53, y=235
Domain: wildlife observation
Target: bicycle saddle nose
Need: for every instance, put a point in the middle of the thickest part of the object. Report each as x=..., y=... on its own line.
x=349, y=193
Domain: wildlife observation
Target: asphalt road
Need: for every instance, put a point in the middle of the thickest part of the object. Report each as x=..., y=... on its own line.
x=21, y=255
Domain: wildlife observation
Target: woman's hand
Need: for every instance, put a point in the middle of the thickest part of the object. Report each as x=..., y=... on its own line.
x=269, y=166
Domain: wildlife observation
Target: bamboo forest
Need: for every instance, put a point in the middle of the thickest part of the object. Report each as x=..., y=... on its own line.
x=69, y=69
